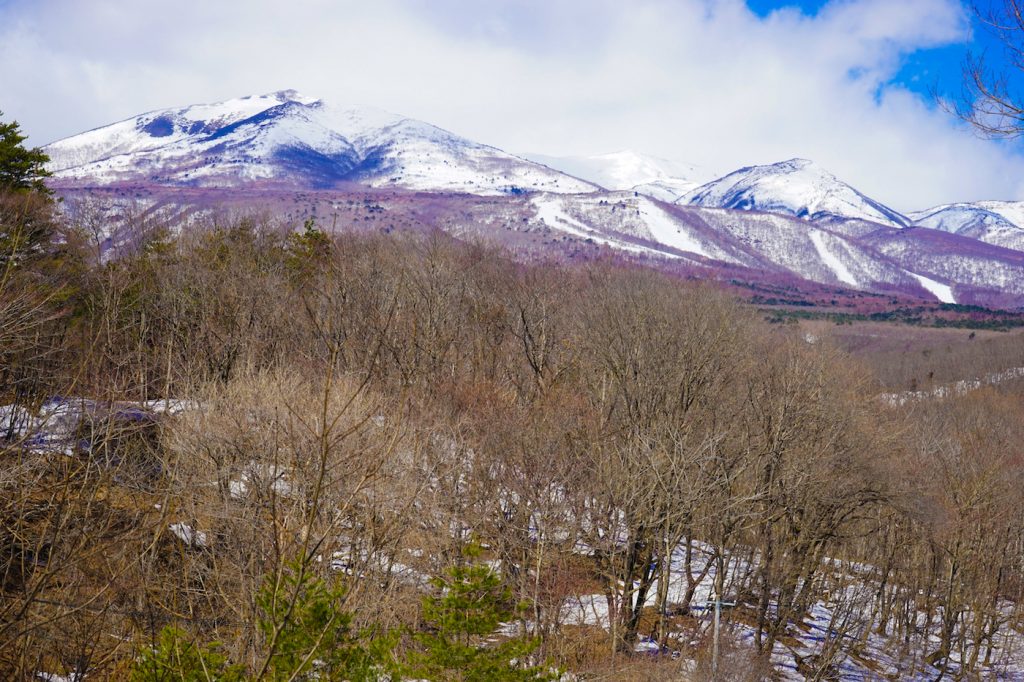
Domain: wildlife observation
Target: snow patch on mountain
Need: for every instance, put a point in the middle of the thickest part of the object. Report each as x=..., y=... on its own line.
x=552, y=211
x=158, y=129
x=789, y=218
x=632, y=219
x=943, y=292
x=843, y=274
x=670, y=231
x=797, y=187
x=1013, y=211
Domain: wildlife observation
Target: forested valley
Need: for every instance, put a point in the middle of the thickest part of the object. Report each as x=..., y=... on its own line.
x=239, y=450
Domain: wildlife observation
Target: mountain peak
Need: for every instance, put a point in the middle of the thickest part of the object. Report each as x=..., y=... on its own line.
x=291, y=95
x=798, y=164
x=797, y=187
x=289, y=139
x=995, y=222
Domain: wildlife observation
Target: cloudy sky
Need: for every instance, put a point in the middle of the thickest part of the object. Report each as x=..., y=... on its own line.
x=717, y=83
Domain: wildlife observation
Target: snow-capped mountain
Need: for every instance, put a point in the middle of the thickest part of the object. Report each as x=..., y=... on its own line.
x=791, y=220
x=928, y=263
x=994, y=222
x=628, y=170
x=289, y=139
x=797, y=187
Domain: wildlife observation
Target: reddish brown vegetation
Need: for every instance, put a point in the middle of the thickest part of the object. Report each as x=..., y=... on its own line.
x=376, y=402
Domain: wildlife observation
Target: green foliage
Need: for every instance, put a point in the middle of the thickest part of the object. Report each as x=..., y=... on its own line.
x=27, y=226
x=177, y=658
x=965, y=317
x=306, y=636
x=21, y=168
x=307, y=250
x=28, y=229
x=462, y=620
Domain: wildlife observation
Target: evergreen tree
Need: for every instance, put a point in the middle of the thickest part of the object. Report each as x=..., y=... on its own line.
x=306, y=635
x=21, y=168
x=461, y=642
x=308, y=251
x=27, y=226
x=177, y=659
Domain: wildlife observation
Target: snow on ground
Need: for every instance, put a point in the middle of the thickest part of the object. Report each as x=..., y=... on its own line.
x=356, y=561
x=958, y=388
x=877, y=657
x=54, y=677
x=941, y=291
x=269, y=477
x=170, y=406
x=189, y=535
x=551, y=211
x=55, y=426
x=837, y=266
x=668, y=231
x=15, y=421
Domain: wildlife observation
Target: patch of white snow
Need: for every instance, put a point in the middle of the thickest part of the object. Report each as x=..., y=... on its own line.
x=668, y=231
x=837, y=266
x=550, y=210
x=941, y=291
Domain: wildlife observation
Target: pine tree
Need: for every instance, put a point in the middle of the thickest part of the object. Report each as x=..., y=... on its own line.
x=309, y=636
x=177, y=659
x=308, y=251
x=21, y=168
x=462, y=621
x=306, y=635
x=27, y=226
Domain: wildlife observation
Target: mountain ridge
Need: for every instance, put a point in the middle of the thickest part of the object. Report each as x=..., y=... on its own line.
x=285, y=137
x=797, y=187
x=994, y=222
x=791, y=218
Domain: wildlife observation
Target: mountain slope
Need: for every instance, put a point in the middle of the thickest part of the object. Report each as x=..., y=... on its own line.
x=797, y=187
x=994, y=222
x=285, y=138
x=149, y=132
x=872, y=257
x=789, y=221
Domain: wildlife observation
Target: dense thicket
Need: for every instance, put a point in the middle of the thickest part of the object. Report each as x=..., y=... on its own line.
x=364, y=409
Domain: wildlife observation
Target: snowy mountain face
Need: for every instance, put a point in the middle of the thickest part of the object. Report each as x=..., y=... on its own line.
x=289, y=139
x=796, y=187
x=789, y=220
x=631, y=171
x=994, y=222
x=871, y=257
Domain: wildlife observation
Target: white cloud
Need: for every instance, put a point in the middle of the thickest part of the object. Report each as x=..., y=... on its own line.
x=702, y=81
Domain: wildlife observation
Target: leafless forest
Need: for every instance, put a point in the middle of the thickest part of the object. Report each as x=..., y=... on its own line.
x=239, y=403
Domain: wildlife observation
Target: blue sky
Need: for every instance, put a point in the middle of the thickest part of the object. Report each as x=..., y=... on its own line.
x=925, y=71
x=715, y=83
